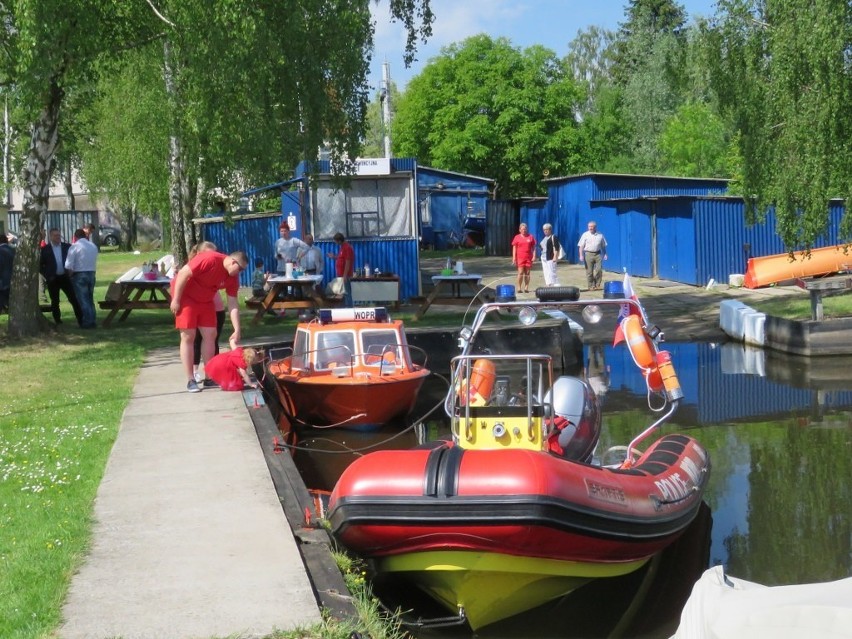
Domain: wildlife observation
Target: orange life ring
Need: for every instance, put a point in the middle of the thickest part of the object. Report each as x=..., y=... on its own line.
x=642, y=350
x=482, y=377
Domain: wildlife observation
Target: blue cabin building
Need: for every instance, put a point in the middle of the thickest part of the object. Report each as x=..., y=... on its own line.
x=380, y=210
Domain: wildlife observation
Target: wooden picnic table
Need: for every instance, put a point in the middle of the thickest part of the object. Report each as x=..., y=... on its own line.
x=820, y=286
x=277, y=298
x=138, y=294
x=454, y=283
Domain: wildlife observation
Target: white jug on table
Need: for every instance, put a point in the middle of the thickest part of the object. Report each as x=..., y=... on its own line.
x=459, y=268
x=288, y=270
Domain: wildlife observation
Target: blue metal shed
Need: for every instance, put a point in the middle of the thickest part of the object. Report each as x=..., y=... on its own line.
x=448, y=201
x=609, y=199
x=690, y=239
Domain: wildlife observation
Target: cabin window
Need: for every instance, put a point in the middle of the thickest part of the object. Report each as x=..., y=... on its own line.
x=335, y=349
x=376, y=344
x=300, y=350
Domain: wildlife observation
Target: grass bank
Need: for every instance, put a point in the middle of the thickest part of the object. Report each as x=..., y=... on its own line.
x=61, y=401
x=799, y=308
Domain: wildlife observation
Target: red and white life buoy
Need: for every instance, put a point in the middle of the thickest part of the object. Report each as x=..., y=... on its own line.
x=643, y=351
x=482, y=377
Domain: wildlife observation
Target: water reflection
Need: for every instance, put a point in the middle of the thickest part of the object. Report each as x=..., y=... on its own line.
x=779, y=432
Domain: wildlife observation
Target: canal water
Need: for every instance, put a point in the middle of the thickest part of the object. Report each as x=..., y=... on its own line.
x=779, y=502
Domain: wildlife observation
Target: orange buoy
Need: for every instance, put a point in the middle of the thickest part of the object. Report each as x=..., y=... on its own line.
x=668, y=376
x=643, y=351
x=482, y=377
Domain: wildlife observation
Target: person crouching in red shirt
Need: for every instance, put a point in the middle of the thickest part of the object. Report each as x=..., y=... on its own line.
x=229, y=370
x=192, y=304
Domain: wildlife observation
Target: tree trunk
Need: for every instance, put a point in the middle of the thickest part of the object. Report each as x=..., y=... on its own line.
x=68, y=184
x=179, y=239
x=25, y=318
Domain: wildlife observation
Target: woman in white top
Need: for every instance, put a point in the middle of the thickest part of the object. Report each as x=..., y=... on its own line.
x=550, y=249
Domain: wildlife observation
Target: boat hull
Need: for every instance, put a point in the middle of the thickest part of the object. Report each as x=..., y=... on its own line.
x=347, y=403
x=562, y=521
x=487, y=587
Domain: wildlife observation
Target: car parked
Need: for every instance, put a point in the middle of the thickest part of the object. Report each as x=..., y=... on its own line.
x=109, y=235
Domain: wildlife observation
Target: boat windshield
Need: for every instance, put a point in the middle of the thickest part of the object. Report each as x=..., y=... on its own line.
x=334, y=348
x=379, y=344
x=300, y=350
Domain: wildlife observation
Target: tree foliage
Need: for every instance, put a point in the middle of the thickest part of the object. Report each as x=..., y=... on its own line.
x=786, y=82
x=590, y=58
x=487, y=108
x=250, y=88
x=125, y=160
x=694, y=143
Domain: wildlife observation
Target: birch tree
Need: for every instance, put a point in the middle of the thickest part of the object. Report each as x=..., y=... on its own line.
x=783, y=72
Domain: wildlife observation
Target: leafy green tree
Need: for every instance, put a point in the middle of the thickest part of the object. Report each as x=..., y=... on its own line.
x=590, y=58
x=306, y=62
x=651, y=96
x=694, y=143
x=782, y=72
x=126, y=158
x=487, y=108
x=645, y=21
x=606, y=134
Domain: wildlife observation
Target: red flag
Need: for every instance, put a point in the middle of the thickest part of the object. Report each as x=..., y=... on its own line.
x=626, y=310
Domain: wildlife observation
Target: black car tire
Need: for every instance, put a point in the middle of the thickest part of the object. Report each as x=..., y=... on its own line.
x=110, y=240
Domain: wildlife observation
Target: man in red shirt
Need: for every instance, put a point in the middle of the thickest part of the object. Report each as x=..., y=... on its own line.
x=192, y=303
x=344, y=265
x=523, y=255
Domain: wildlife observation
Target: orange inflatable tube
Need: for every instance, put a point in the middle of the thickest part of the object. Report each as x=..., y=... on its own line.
x=762, y=271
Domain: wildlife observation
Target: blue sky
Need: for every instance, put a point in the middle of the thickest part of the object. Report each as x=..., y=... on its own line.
x=551, y=23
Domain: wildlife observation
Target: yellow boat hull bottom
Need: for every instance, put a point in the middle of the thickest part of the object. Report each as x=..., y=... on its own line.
x=488, y=587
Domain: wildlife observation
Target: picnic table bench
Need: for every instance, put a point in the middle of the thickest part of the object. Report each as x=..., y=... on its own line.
x=817, y=287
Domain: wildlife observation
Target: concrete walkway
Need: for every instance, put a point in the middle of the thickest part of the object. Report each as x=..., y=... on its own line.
x=190, y=539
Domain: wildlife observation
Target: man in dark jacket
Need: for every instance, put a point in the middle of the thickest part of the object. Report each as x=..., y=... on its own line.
x=52, y=266
x=7, y=257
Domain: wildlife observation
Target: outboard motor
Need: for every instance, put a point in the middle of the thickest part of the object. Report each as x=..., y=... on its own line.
x=575, y=426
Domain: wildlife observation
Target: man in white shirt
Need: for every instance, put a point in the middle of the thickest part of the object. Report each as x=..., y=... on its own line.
x=80, y=263
x=288, y=249
x=311, y=260
x=592, y=247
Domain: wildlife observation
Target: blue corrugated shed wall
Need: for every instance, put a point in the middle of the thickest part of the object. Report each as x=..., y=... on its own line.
x=575, y=200
x=254, y=233
x=633, y=247
x=457, y=195
x=675, y=240
x=535, y=214
x=398, y=256
x=721, y=232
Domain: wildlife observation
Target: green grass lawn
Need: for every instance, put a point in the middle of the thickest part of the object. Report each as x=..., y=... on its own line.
x=799, y=308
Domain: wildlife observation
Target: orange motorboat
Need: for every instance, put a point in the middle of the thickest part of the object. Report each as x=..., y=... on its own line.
x=349, y=368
